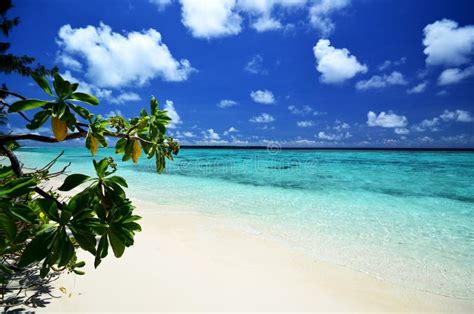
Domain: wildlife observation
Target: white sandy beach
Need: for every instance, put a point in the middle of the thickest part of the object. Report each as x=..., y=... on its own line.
x=192, y=262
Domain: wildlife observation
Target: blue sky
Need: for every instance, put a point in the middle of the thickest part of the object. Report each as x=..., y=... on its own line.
x=239, y=72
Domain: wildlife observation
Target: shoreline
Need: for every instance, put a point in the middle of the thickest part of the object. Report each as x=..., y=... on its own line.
x=197, y=262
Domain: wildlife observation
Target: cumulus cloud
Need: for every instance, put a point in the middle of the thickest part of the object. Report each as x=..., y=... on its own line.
x=454, y=75
x=336, y=65
x=255, y=65
x=263, y=118
x=231, y=130
x=389, y=63
x=386, y=120
x=340, y=126
x=226, y=103
x=211, y=135
x=417, y=89
x=457, y=115
x=448, y=44
x=262, y=96
x=161, y=4
x=102, y=94
x=125, y=97
x=377, y=81
x=218, y=18
x=173, y=114
x=69, y=62
x=300, y=111
x=304, y=124
x=402, y=131
x=211, y=18
x=427, y=124
x=332, y=136
x=115, y=60
x=320, y=14
x=265, y=23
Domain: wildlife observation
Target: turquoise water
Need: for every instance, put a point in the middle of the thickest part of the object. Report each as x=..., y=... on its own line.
x=404, y=217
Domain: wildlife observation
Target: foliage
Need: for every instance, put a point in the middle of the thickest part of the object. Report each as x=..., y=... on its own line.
x=41, y=229
x=10, y=63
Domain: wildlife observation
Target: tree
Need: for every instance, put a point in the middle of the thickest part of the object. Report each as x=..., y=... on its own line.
x=40, y=233
x=10, y=63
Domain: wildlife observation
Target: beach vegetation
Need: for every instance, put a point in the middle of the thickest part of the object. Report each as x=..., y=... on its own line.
x=42, y=228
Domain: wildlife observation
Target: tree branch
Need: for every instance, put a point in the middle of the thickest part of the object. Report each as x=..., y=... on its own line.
x=16, y=167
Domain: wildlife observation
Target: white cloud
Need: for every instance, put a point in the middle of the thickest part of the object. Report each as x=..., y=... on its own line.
x=161, y=4
x=320, y=12
x=69, y=62
x=262, y=96
x=265, y=23
x=102, y=94
x=175, y=118
x=402, y=131
x=114, y=113
x=231, y=130
x=255, y=65
x=333, y=137
x=263, y=118
x=218, y=18
x=226, y=103
x=303, y=111
x=427, y=124
x=188, y=134
x=336, y=65
x=340, y=126
x=448, y=44
x=377, y=81
x=304, y=124
x=417, y=89
x=454, y=75
x=210, y=135
x=125, y=97
x=116, y=60
x=211, y=18
x=388, y=63
x=457, y=115
x=386, y=120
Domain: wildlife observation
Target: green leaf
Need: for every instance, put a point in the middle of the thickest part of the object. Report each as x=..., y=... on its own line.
x=26, y=105
x=120, y=146
x=66, y=249
x=39, y=119
x=7, y=225
x=85, y=98
x=42, y=82
x=101, y=167
x=23, y=212
x=49, y=207
x=85, y=239
x=73, y=181
x=83, y=112
x=37, y=249
x=102, y=250
x=118, y=180
x=6, y=172
x=59, y=85
x=17, y=187
x=117, y=244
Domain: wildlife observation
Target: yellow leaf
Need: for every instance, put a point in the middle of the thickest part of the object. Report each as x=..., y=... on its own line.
x=59, y=129
x=94, y=145
x=63, y=290
x=136, y=152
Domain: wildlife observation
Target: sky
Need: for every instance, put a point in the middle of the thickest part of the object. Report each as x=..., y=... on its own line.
x=346, y=73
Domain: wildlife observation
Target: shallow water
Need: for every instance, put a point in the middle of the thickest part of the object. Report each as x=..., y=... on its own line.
x=405, y=217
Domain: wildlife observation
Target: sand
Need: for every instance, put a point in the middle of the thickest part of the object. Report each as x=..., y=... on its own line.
x=193, y=262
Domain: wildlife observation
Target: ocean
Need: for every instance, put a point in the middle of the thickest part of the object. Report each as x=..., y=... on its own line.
x=406, y=217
